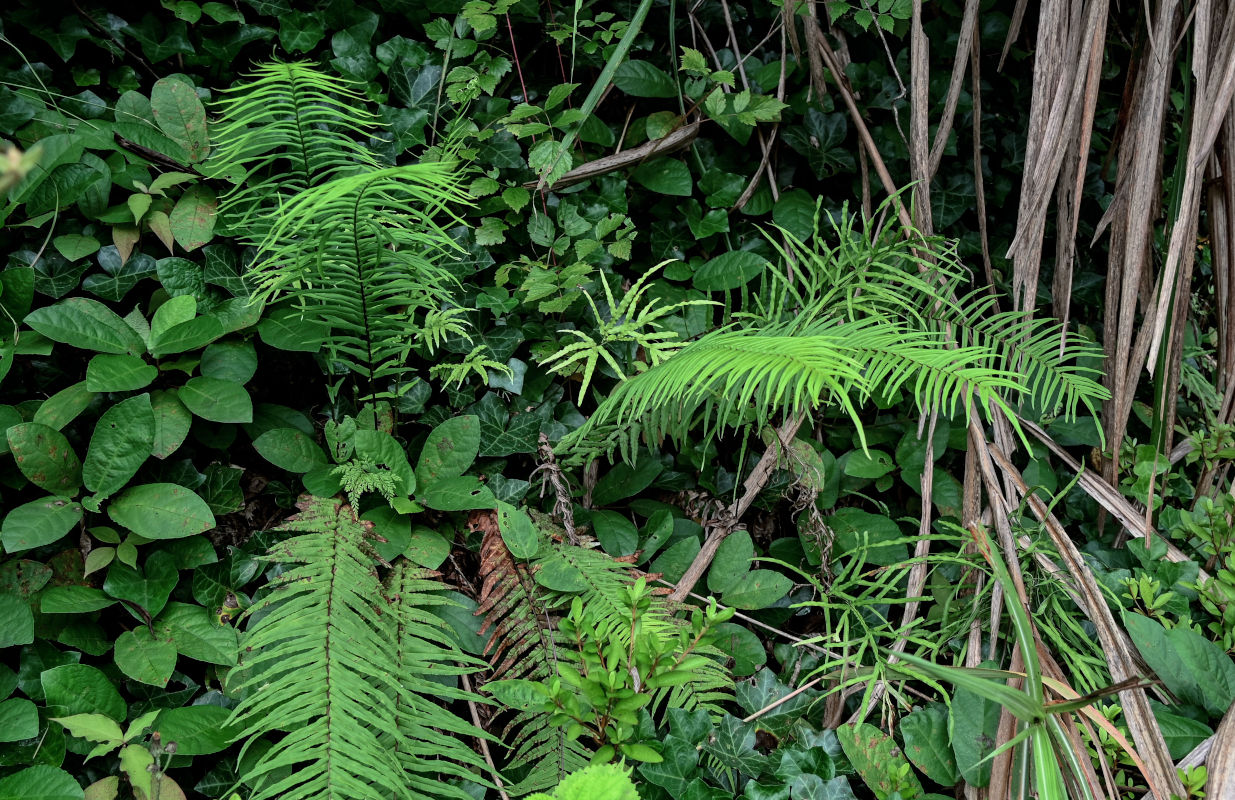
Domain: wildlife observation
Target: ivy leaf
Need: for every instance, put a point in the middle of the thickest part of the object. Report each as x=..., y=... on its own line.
x=678, y=767
x=733, y=745
x=119, y=275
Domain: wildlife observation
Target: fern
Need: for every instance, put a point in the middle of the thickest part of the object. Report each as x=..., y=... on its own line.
x=534, y=639
x=354, y=243
x=524, y=645
x=860, y=318
x=362, y=726
x=289, y=127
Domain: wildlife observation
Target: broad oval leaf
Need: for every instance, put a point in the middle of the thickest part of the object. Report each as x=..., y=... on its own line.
x=62, y=407
x=123, y=439
x=643, y=79
x=88, y=324
x=758, y=589
x=161, y=511
x=44, y=456
x=119, y=373
x=145, y=658
x=81, y=689
x=217, y=400
x=665, y=176
x=729, y=271
x=289, y=449
x=41, y=782
x=192, y=219
x=39, y=522
x=171, y=423
x=180, y=114
x=449, y=450
x=518, y=532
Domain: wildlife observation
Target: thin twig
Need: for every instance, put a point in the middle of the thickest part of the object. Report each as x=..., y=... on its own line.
x=484, y=745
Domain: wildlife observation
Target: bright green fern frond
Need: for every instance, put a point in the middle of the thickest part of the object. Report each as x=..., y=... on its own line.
x=732, y=378
x=361, y=253
x=291, y=126
x=323, y=618
x=366, y=722
x=431, y=742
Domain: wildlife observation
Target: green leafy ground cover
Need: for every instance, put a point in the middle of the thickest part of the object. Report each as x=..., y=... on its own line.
x=359, y=418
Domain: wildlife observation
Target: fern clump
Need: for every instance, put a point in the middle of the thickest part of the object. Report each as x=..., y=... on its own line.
x=366, y=725
x=355, y=244
x=859, y=315
x=580, y=646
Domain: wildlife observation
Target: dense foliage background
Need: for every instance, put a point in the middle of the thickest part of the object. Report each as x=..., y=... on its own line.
x=434, y=398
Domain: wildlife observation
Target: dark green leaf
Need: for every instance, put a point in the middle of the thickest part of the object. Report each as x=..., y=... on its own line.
x=641, y=79
x=449, y=451
x=665, y=176
x=40, y=782
x=197, y=730
x=161, y=511
x=144, y=658
x=16, y=621
x=217, y=400
x=729, y=271
x=925, y=732
x=39, y=522
x=122, y=441
x=79, y=689
x=44, y=456
x=88, y=324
